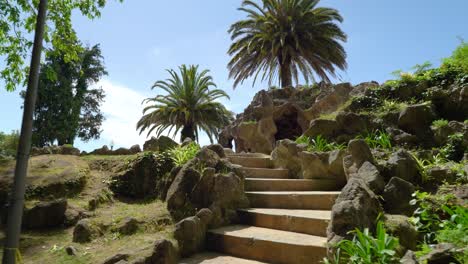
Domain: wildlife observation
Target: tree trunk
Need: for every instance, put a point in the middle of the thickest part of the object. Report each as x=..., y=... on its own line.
x=187, y=132
x=285, y=71
x=15, y=208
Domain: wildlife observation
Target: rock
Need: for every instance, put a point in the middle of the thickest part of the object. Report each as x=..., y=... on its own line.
x=286, y=156
x=190, y=234
x=351, y=123
x=228, y=191
x=146, y=176
x=45, y=215
x=177, y=200
x=71, y=251
x=128, y=226
x=322, y=127
x=441, y=174
x=56, y=150
x=442, y=133
x=400, y=226
x=417, y=119
x=161, y=144
x=105, y=196
x=208, y=157
x=440, y=254
x=371, y=176
x=85, y=231
x=117, y=258
x=323, y=165
x=163, y=252
x=358, y=152
x=409, y=258
x=450, y=102
x=73, y=215
x=218, y=149
x=397, y=195
x=357, y=206
x=104, y=150
x=402, y=164
x=401, y=138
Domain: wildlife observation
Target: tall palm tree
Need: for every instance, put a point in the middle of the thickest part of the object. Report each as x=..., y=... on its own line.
x=188, y=106
x=283, y=37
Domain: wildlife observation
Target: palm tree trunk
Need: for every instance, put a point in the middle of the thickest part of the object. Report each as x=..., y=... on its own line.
x=285, y=71
x=15, y=208
x=187, y=132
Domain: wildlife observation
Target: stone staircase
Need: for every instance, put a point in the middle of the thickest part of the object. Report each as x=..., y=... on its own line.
x=286, y=224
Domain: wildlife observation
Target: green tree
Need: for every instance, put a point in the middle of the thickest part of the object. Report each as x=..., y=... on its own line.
x=188, y=106
x=281, y=38
x=9, y=143
x=67, y=107
x=17, y=22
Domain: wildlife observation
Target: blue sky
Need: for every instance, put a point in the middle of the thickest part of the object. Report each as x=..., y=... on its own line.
x=140, y=39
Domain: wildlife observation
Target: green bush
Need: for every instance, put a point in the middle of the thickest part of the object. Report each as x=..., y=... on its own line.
x=377, y=139
x=319, y=144
x=364, y=248
x=440, y=123
x=9, y=143
x=182, y=154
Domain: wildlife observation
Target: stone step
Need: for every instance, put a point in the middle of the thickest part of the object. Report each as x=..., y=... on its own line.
x=268, y=245
x=216, y=258
x=257, y=184
x=312, y=200
x=312, y=222
x=266, y=173
x=252, y=162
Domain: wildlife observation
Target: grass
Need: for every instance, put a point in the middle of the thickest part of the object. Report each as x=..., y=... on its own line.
x=319, y=144
x=377, y=139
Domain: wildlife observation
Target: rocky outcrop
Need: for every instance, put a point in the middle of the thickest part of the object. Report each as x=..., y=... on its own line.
x=417, y=119
x=286, y=156
x=162, y=252
x=45, y=215
x=323, y=165
x=147, y=176
x=282, y=114
x=207, y=181
x=402, y=164
x=450, y=102
x=191, y=232
x=401, y=227
x=161, y=144
x=85, y=231
x=397, y=196
x=358, y=152
x=104, y=150
x=55, y=150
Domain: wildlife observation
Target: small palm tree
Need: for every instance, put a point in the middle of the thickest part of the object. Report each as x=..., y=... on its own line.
x=283, y=37
x=189, y=106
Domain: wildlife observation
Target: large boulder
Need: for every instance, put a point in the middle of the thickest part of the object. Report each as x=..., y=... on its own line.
x=417, y=119
x=323, y=127
x=358, y=152
x=403, y=165
x=162, y=252
x=161, y=143
x=401, y=227
x=286, y=156
x=190, y=233
x=397, y=196
x=45, y=214
x=323, y=165
x=371, y=175
x=85, y=231
x=357, y=206
x=450, y=103
x=146, y=176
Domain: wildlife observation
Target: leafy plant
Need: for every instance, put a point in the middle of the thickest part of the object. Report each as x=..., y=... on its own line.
x=364, y=248
x=377, y=139
x=391, y=106
x=440, y=123
x=455, y=229
x=319, y=144
x=182, y=154
x=453, y=149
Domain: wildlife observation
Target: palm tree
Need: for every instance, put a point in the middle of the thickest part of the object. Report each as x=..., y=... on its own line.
x=283, y=37
x=189, y=106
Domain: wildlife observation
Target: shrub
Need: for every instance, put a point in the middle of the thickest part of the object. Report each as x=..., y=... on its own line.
x=364, y=248
x=182, y=154
x=319, y=144
x=9, y=143
x=377, y=139
x=440, y=123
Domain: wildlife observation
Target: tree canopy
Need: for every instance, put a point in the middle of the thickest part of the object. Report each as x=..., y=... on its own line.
x=67, y=107
x=188, y=106
x=17, y=22
x=280, y=38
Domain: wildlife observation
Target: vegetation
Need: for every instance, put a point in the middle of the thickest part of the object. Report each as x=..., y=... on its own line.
x=17, y=21
x=284, y=37
x=182, y=154
x=189, y=105
x=9, y=143
x=378, y=139
x=66, y=106
x=440, y=123
x=319, y=144
x=440, y=219
x=364, y=248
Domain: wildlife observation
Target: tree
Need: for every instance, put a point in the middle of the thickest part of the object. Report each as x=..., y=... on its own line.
x=284, y=37
x=66, y=106
x=9, y=143
x=189, y=105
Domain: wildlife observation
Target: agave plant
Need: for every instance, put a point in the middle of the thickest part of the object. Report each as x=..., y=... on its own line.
x=280, y=38
x=188, y=106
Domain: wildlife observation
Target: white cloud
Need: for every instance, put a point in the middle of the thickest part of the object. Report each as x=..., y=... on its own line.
x=122, y=109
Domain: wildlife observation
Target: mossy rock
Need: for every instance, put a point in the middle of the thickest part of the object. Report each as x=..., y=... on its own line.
x=48, y=177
